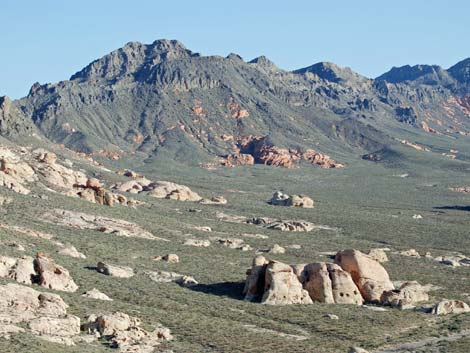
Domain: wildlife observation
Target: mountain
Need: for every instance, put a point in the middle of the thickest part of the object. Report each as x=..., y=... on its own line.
x=162, y=100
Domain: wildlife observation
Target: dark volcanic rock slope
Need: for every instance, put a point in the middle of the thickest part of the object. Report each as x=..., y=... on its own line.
x=164, y=100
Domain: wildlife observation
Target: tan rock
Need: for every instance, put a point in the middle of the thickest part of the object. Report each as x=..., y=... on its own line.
x=329, y=283
x=410, y=253
x=114, y=270
x=282, y=199
x=56, y=329
x=52, y=276
x=167, y=277
x=96, y=294
x=93, y=183
x=71, y=251
x=171, y=258
x=19, y=269
x=276, y=249
x=291, y=226
x=378, y=255
x=103, y=224
x=197, y=242
x=124, y=332
x=254, y=284
x=409, y=294
x=446, y=307
x=169, y=190
x=369, y=276
x=282, y=286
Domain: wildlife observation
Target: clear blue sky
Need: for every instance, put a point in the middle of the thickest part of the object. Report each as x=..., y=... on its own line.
x=47, y=41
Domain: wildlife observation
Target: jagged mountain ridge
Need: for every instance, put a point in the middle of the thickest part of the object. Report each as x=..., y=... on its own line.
x=163, y=99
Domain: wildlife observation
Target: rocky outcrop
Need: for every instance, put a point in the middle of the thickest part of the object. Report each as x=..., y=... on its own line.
x=124, y=332
x=255, y=280
x=405, y=297
x=56, y=174
x=115, y=270
x=71, y=251
x=237, y=159
x=170, y=258
x=19, y=269
x=167, y=277
x=328, y=283
x=446, y=307
x=233, y=243
x=52, y=276
x=96, y=294
x=378, y=255
x=14, y=173
x=40, y=270
x=44, y=314
x=281, y=199
x=158, y=189
x=169, y=190
x=369, y=275
x=281, y=286
x=291, y=226
x=106, y=225
x=200, y=243
x=273, y=282
x=259, y=150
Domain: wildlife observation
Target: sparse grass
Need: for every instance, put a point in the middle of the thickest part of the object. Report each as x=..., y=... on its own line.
x=369, y=206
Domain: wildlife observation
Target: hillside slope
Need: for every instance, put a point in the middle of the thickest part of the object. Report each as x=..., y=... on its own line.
x=167, y=101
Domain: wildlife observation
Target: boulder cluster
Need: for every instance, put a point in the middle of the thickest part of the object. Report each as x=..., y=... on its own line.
x=22, y=167
x=354, y=278
x=281, y=199
x=40, y=270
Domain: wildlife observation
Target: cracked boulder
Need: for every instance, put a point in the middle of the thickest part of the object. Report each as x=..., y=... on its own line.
x=368, y=275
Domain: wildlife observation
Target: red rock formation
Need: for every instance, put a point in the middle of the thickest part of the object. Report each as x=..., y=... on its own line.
x=429, y=129
x=238, y=159
x=236, y=111
x=320, y=159
x=259, y=150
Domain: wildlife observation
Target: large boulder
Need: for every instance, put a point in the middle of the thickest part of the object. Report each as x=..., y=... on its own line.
x=169, y=190
x=20, y=269
x=281, y=199
x=369, y=275
x=114, y=270
x=52, y=276
x=282, y=286
x=96, y=294
x=329, y=283
x=445, y=307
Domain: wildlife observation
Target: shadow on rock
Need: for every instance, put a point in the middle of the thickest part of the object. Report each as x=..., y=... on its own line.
x=224, y=289
x=458, y=208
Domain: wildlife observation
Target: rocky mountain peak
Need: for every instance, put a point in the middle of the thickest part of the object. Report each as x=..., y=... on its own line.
x=331, y=72
x=425, y=74
x=131, y=58
x=265, y=63
x=461, y=71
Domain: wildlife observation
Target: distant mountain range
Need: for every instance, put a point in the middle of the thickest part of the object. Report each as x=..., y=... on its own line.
x=165, y=101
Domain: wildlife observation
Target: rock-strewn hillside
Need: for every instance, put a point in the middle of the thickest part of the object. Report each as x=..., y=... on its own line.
x=165, y=100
